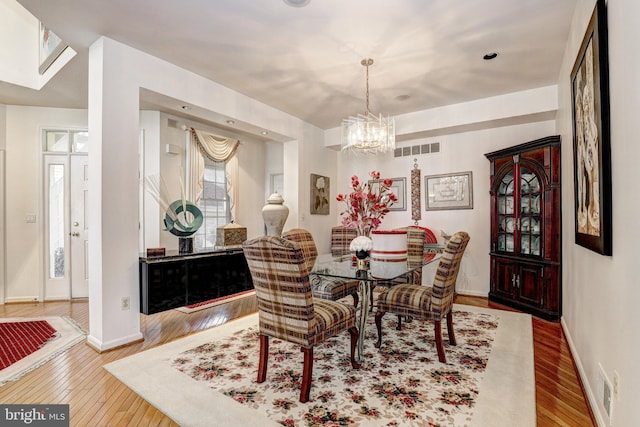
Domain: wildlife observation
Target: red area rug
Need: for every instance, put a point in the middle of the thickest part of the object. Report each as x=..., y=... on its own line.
x=27, y=343
x=216, y=301
x=20, y=339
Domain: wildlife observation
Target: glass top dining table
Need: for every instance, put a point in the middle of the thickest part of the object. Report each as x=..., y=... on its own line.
x=378, y=273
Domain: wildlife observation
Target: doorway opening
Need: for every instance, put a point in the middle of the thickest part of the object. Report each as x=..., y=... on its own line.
x=66, y=226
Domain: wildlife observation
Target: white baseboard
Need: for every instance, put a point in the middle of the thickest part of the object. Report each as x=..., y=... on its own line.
x=472, y=293
x=101, y=346
x=20, y=299
x=592, y=401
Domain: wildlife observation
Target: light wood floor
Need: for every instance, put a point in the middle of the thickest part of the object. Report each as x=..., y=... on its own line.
x=96, y=398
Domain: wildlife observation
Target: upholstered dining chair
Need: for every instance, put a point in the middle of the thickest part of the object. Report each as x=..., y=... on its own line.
x=427, y=303
x=415, y=256
x=286, y=308
x=324, y=287
x=341, y=238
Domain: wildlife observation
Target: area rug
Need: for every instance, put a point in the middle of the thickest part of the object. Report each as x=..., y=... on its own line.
x=41, y=339
x=217, y=301
x=209, y=378
x=20, y=339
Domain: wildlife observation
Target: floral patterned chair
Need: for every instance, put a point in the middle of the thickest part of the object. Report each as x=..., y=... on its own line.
x=341, y=238
x=324, y=287
x=286, y=308
x=427, y=303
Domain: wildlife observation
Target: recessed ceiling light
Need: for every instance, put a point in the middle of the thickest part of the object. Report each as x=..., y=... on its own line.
x=264, y=132
x=490, y=56
x=186, y=107
x=231, y=122
x=403, y=97
x=296, y=3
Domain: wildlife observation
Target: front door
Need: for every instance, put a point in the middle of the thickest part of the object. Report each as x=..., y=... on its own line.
x=79, y=227
x=66, y=226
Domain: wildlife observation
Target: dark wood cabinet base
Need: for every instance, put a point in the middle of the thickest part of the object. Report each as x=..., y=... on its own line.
x=177, y=280
x=552, y=316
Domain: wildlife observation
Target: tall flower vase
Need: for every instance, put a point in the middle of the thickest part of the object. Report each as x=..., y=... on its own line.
x=274, y=214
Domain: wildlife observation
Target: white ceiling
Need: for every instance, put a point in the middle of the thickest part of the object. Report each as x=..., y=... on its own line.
x=306, y=61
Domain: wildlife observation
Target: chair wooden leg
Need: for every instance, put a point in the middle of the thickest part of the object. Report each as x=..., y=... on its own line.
x=353, y=331
x=399, y=325
x=264, y=356
x=356, y=299
x=438, y=333
x=379, y=315
x=307, y=373
x=452, y=337
x=371, y=297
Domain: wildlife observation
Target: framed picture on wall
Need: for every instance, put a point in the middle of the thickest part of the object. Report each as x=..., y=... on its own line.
x=449, y=191
x=591, y=137
x=319, y=194
x=51, y=46
x=398, y=187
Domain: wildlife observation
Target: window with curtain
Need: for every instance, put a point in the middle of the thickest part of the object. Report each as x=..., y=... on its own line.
x=214, y=203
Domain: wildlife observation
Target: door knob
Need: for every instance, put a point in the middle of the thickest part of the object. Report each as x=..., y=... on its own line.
x=75, y=234
x=76, y=223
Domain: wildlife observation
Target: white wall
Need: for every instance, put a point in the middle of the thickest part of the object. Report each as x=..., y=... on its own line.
x=24, y=183
x=19, y=45
x=315, y=159
x=19, y=48
x=116, y=75
x=600, y=313
x=150, y=217
x=458, y=153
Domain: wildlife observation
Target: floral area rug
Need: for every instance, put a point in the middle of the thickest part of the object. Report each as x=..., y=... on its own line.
x=401, y=384
x=210, y=378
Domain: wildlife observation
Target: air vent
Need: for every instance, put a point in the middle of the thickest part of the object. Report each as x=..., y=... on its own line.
x=414, y=150
x=172, y=123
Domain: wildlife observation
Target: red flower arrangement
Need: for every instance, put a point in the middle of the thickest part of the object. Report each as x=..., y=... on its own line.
x=367, y=206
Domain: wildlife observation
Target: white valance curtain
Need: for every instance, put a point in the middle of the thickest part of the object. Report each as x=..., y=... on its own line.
x=217, y=148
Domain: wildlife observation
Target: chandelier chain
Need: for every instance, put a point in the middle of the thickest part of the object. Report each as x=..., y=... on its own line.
x=366, y=62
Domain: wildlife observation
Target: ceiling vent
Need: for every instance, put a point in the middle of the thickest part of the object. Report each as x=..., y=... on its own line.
x=414, y=150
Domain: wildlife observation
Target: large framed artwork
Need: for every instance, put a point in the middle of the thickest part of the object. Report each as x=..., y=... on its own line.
x=449, y=191
x=398, y=187
x=591, y=137
x=51, y=46
x=319, y=194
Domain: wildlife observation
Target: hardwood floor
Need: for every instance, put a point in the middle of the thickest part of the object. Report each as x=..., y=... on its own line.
x=96, y=398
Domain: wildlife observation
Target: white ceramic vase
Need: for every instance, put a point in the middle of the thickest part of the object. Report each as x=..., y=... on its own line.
x=389, y=253
x=274, y=214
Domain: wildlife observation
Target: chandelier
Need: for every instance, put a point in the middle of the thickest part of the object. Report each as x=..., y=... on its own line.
x=367, y=132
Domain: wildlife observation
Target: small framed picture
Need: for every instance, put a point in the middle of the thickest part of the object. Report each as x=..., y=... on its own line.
x=51, y=46
x=449, y=191
x=319, y=194
x=398, y=187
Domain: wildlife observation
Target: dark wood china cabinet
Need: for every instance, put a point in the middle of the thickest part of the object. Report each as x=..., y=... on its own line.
x=526, y=227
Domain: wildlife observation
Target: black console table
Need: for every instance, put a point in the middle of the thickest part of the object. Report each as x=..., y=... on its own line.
x=175, y=280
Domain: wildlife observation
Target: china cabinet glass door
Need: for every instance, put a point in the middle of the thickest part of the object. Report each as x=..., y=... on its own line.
x=506, y=213
x=520, y=213
x=530, y=220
